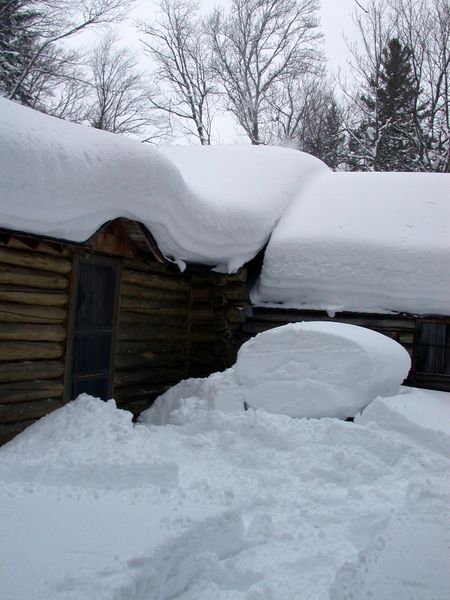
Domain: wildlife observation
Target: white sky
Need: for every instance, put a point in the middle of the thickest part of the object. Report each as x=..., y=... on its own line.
x=335, y=18
x=335, y=21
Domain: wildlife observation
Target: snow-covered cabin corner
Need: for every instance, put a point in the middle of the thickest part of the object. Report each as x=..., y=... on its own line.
x=370, y=249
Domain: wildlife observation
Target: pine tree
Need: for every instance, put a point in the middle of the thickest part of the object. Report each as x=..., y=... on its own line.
x=17, y=40
x=397, y=98
x=387, y=139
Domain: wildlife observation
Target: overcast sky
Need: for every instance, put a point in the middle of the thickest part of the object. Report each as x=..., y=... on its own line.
x=335, y=18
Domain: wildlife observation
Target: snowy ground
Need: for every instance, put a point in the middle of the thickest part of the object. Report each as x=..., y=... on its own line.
x=245, y=505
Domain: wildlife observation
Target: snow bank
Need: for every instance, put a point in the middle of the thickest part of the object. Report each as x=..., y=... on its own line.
x=309, y=369
x=219, y=210
x=410, y=560
x=101, y=513
x=255, y=506
x=374, y=242
x=319, y=369
x=419, y=414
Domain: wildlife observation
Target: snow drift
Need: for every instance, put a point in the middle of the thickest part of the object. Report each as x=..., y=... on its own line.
x=223, y=506
x=309, y=370
x=214, y=205
x=366, y=242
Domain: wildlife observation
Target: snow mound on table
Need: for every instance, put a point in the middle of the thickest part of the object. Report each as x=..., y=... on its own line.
x=319, y=369
x=309, y=369
x=374, y=242
x=219, y=210
x=422, y=415
x=409, y=560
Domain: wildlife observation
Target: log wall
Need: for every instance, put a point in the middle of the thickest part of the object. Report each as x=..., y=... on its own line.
x=170, y=326
x=34, y=286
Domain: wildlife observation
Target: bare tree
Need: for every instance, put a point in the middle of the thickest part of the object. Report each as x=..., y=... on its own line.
x=57, y=20
x=260, y=46
x=179, y=47
x=119, y=99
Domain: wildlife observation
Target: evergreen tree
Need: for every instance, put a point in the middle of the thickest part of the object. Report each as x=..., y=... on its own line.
x=387, y=138
x=327, y=141
x=17, y=40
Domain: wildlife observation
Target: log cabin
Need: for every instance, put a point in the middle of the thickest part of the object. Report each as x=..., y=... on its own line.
x=115, y=261
x=110, y=317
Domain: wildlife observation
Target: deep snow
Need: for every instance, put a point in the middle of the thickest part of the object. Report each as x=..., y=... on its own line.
x=231, y=506
x=366, y=242
x=215, y=205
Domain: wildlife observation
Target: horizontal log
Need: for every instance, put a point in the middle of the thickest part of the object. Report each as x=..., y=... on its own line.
x=26, y=296
x=28, y=410
x=235, y=314
x=29, y=371
x=153, y=333
x=202, y=335
x=283, y=316
x=151, y=266
x=28, y=313
x=148, y=359
x=32, y=332
x=44, y=247
x=142, y=281
x=159, y=301
x=159, y=346
x=236, y=294
x=202, y=312
x=148, y=316
x=9, y=430
x=30, y=350
x=30, y=278
x=142, y=319
x=30, y=390
x=154, y=375
x=223, y=280
x=35, y=260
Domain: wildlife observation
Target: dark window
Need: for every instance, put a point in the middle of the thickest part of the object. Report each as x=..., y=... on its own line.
x=432, y=348
x=93, y=328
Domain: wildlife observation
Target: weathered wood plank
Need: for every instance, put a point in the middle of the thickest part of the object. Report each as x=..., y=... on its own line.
x=159, y=346
x=28, y=410
x=29, y=390
x=30, y=350
x=153, y=375
x=30, y=278
x=149, y=359
x=151, y=333
x=31, y=370
x=137, y=280
x=160, y=300
x=45, y=247
x=142, y=319
x=159, y=314
x=27, y=296
x=32, y=332
x=27, y=313
x=35, y=260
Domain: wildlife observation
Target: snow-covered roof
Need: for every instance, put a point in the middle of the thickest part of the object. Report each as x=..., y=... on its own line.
x=214, y=205
x=366, y=242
